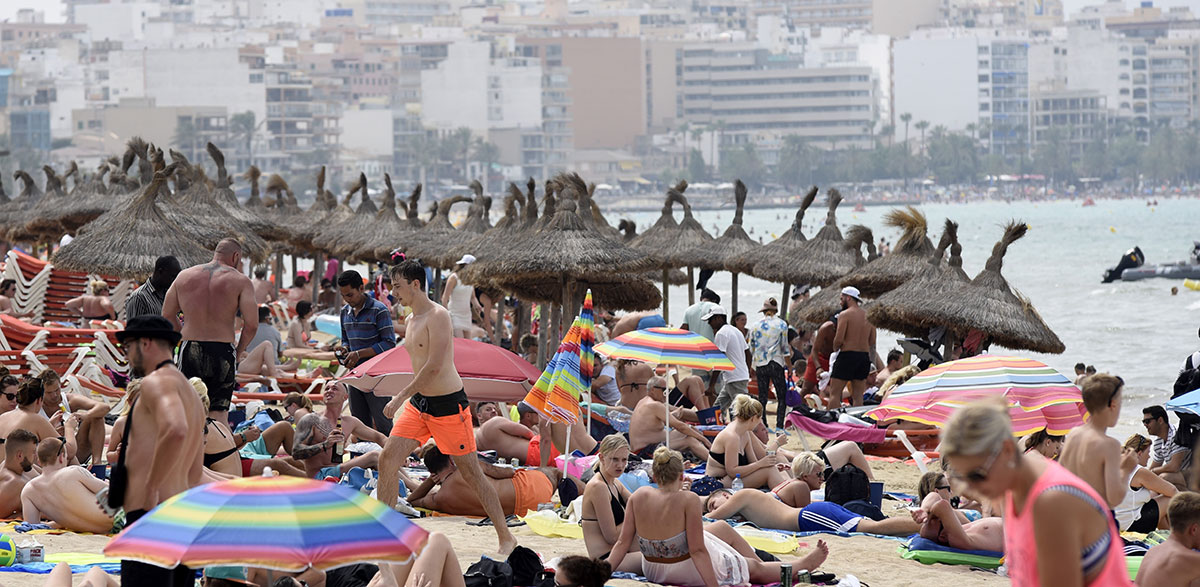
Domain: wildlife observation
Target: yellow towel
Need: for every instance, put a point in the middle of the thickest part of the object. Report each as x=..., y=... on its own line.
x=772, y=542
x=547, y=523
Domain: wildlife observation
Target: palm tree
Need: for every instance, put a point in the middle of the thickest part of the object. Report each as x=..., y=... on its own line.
x=889, y=131
x=242, y=126
x=423, y=152
x=906, y=118
x=486, y=154
x=719, y=128
x=186, y=135
x=459, y=142
x=921, y=126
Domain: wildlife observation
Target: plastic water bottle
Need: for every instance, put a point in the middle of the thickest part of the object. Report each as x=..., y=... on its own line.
x=737, y=483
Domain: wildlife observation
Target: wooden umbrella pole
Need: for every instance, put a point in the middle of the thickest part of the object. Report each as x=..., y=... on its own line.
x=555, y=329
x=315, y=277
x=278, y=270
x=498, y=322
x=691, y=287
x=734, y=292
x=436, y=290
x=543, y=334
x=666, y=296
x=787, y=289
x=294, y=267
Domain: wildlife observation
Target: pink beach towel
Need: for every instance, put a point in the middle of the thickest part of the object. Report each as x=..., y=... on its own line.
x=836, y=431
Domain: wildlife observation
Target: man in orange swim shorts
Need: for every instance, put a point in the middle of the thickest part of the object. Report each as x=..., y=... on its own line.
x=520, y=490
x=433, y=404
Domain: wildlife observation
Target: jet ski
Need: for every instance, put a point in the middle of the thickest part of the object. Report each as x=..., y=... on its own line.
x=1132, y=267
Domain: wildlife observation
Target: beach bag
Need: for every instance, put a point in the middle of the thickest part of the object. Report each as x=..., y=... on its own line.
x=865, y=509
x=525, y=565
x=847, y=484
x=489, y=573
x=1188, y=431
x=118, y=479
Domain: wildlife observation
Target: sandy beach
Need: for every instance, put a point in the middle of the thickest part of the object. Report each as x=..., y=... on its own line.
x=874, y=561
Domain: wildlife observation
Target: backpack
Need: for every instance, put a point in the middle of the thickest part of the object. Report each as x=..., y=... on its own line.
x=489, y=573
x=525, y=565
x=1188, y=431
x=847, y=484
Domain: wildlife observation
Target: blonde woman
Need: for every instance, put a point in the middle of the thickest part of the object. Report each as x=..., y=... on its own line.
x=93, y=305
x=809, y=471
x=1057, y=529
x=604, y=501
x=737, y=451
x=675, y=546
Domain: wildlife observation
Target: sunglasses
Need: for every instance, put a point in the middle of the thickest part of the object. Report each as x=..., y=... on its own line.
x=12, y=397
x=1147, y=420
x=981, y=474
x=662, y=387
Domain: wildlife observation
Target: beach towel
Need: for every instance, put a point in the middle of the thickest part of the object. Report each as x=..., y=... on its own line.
x=834, y=431
x=80, y=562
x=928, y=552
x=547, y=523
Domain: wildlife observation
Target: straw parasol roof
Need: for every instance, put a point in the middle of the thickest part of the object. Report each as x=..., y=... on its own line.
x=733, y=243
x=307, y=227
x=195, y=208
x=820, y=260
x=255, y=200
x=381, y=226
x=495, y=241
x=88, y=200
x=126, y=240
x=628, y=231
x=908, y=309
x=223, y=191
x=783, y=246
x=344, y=220
x=619, y=291
x=824, y=303
x=670, y=244
x=44, y=219
x=391, y=237
x=988, y=304
x=909, y=257
x=437, y=236
x=17, y=210
x=565, y=249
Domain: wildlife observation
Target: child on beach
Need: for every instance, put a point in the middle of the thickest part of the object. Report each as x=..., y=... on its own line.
x=1176, y=562
x=1089, y=452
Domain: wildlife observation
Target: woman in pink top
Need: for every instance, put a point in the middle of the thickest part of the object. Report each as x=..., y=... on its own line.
x=1056, y=530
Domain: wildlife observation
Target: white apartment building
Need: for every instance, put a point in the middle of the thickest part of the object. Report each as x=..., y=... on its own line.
x=472, y=88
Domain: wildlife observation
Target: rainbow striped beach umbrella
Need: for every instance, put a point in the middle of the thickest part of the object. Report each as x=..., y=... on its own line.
x=667, y=346
x=1038, y=396
x=569, y=373
x=281, y=523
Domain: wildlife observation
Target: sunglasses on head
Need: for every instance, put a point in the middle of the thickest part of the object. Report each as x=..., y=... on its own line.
x=981, y=474
x=1120, y=386
x=942, y=488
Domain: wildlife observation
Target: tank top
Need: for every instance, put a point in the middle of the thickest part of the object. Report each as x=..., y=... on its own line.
x=1130, y=508
x=460, y=300
x=1021, y=547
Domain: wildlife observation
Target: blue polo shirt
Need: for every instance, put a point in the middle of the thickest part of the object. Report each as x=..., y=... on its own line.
x=370, y=327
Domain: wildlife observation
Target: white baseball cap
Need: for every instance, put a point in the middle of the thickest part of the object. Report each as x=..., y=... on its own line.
x=714, y=311
x=466, y=260
x=852, y=292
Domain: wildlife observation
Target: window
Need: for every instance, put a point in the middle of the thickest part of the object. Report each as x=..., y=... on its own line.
x=983, y=78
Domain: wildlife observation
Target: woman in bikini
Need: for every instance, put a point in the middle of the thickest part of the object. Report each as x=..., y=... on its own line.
x=737, y=451
x=1058, y=530
x=604, y=500
x=221, y=446
x=809, y=471
x=93, y=305
x=676, y=548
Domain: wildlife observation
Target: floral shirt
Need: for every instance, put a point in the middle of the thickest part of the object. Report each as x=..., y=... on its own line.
x=769, y=341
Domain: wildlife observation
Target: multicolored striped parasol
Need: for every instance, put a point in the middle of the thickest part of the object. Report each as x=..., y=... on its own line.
x=281, y=523
x=1038, y=396
x=667, y=346
x=569, y=373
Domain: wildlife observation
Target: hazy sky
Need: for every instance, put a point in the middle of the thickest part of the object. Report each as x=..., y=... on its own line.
x=53, y=8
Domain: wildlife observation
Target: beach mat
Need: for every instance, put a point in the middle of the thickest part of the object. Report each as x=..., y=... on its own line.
x=928, y=552
x=549, y=524
x=81, y=562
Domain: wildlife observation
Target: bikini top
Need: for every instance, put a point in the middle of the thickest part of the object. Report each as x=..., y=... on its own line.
x=618, y=508
x=673, y=547
x=1095, y=554
x=743, y=460
x=212, y=458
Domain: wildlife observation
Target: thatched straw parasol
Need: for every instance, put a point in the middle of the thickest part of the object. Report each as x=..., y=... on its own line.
x=820, y=260
x=909, y=257
x=88, y=200
x=197, y=210
x=306, y=227
x=824, y=303
x=44, y=219
x=391, y=237
x=381, y=226
x=329, y=232
x=253, y=175
x=619, y=291
x=783, y=246
x=988, y=304
x=437, y=236
x=628, y=232
x=18, y=209
x=908, y=308
x=495, y=241
x=223, y=191
x=731, y=245
x=126, y=240
x=670, y=244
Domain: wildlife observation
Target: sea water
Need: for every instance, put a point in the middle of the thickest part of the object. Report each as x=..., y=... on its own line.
x=1137, y=330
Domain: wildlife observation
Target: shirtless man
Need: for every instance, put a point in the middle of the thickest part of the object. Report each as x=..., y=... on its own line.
x=316, y=439
x=264, y=291
x=690, y=393
x=210, y=297
x=855, y=347
x=64, y=494
x=163, y=438
x=355, y=430
x=432, y=407
x=19, y=448
x=89, y=439
x=939, y=523
x=516, y=440
x=29, y=416
x=1089, y=452
x=8, y=290
x=818, y=360
x=1176, y=562
x=518, y=490
x=647, y=428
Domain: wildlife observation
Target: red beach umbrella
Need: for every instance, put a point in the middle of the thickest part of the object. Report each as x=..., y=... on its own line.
x=489, y=372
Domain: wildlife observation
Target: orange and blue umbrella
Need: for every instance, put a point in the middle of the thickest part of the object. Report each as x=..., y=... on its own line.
x=281, y=523
x=569, y=372
x=667, y=346
x=1038, y=396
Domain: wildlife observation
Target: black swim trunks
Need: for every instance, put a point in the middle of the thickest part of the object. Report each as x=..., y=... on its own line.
x=216, y=365
x=137, y=573
x=851, y=365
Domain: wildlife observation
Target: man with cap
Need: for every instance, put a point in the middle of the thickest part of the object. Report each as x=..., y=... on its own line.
x=459, y=299
x=162, y=448
x=854, y=351
x=366, y=331
x=693, y=320
x=769, y=353
x=729, y=339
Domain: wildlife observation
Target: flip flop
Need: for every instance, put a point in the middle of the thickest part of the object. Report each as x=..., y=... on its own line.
x=512, y=521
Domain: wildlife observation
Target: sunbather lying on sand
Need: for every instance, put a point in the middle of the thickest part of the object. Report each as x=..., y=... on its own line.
x=765, y=511
x=942, y=524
